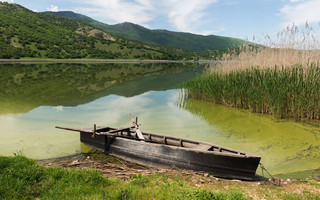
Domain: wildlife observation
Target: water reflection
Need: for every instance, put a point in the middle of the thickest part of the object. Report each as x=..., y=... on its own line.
x=25, y=87
x=35, y=135
x=36, y=98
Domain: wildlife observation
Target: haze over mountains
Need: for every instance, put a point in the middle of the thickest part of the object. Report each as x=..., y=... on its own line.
x=167, y=38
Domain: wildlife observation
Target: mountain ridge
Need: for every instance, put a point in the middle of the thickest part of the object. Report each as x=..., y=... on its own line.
x=163, y=37
x=28, y=34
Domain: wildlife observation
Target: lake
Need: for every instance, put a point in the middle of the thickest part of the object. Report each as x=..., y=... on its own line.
x=34, y=98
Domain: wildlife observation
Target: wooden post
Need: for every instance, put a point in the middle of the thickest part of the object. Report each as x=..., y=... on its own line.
x=94, y=130
x=135, y=123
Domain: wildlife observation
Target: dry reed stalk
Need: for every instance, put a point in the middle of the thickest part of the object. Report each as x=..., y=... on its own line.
x=293, y=46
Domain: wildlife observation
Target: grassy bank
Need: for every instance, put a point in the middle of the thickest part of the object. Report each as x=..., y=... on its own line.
x=22, y=178
x=284, y=92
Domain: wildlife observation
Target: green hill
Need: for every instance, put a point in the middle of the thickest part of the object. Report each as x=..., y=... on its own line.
x=27, y=34
x=166, y=38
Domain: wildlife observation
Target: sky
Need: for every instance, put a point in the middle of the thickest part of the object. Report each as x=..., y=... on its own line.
x=242, y=19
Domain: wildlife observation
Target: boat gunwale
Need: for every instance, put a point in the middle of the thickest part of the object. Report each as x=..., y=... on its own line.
x=232, y=152
x=196, y=150
x=203, y=164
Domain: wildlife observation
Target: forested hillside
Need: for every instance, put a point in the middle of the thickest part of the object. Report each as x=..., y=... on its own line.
x=188, y=41
x=27, y=34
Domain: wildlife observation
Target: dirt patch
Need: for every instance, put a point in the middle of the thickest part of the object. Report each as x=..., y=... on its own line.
x=113, y=167
x=110, y=166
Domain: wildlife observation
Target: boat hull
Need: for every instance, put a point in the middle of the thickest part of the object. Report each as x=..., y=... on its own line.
x=159, y=155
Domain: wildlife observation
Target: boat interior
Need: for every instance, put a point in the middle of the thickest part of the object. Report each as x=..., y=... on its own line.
x=131, y=133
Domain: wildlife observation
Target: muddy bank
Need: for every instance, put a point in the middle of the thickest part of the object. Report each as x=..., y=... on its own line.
x=113, y=167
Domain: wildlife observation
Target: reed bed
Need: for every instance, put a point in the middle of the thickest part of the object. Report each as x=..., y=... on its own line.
x=282, y=79
x=283, y=92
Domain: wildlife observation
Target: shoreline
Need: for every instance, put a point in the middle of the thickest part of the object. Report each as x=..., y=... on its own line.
x=115, y=168
x=12, y=61
x=100, y=161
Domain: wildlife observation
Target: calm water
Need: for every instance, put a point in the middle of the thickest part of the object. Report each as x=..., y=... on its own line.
x=36, y=98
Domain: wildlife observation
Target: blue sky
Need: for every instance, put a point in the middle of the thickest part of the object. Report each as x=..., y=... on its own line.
x=233, y=18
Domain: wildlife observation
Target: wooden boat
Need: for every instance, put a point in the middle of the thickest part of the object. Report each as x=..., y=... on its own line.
x=165, y=151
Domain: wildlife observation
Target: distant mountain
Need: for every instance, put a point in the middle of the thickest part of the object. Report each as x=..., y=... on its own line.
x=189, y=41
x=72, y=15
x=27, y=34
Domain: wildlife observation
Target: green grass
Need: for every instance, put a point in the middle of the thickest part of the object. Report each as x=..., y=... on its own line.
x=130, y=53
x=23, y=178
x=301, y=197
x=311, y=182
x=283, y=92
x=160, y=186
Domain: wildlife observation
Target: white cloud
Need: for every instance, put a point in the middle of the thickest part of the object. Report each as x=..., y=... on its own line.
x=138, y=11
x=182, y=15
x=10, y=117
x=118, y=107
x=53, y=8
x=9, y=1
x=185, y=15
x=58, y=108
x=299, y=12
x=209, y=32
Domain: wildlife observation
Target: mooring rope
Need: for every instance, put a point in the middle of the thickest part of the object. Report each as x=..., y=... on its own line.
x=273, y=180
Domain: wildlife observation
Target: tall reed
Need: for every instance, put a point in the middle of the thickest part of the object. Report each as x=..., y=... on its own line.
x=282, y=78
x=283, y=92
x=291, y=46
